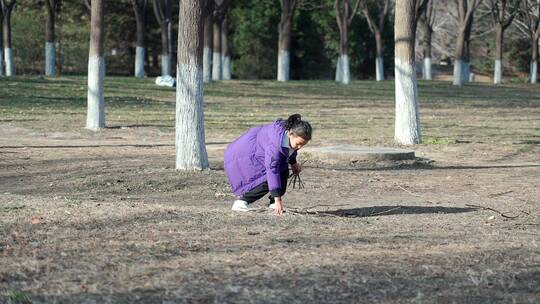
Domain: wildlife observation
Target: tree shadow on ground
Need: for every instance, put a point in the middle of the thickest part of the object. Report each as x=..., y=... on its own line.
x=386, y=210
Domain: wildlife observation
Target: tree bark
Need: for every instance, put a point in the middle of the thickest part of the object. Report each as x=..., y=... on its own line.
x=497, y=77
x=139, y=7
x=95, y=118
x=376, y=26
x=7, y=9
x=407, y=125
x=50, y=47
x=208, y=42
x=216, y=50
x=1, y=42
x=225, y=52
x=534, y=60
x=466, y=9
x=163, y=12
x=190, y=138
x=426, y=44
x=284, y=39
x=344, y=17
x=379, y=65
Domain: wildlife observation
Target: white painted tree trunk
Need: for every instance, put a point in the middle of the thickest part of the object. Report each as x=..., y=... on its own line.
x=226, y=69
x=95, y=118
x=217, y=68
x=165, y=65
x=458, y=73
x=339, y=75
x=284, y=65
x=207, y=65
x=497, y=77
x=1, y=61
x=379, y=69
x=50, y=59
x=139, y=61
x=466, y=70
x=8, y=58
x=407, y=128
x=427, y=69
x=190, y=138
x=345, y=70
x=534, y=72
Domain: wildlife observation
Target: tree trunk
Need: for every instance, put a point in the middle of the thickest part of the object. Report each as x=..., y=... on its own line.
x=379, y=65
x=458, y=61
x=190, y=138
x=50, y=47
x=407, y=126
x=534, y=60
x=165, y=55
x=427, y=74
x=284, y=41
x=225, y=52
x=499, y=32
x=338, y=69
x=8, y=52
x=207, y=51
x=1, y=44
x=140, y=17
x=95, y=118
x=344, y=55
x=216, y=50
x=162, y=10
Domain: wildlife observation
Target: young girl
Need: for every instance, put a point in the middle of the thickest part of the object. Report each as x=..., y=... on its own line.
x=258, y=161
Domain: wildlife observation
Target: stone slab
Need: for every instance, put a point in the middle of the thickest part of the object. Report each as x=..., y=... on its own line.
x=350, y=153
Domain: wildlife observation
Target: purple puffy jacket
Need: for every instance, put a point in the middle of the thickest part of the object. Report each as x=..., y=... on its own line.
x=257, y=156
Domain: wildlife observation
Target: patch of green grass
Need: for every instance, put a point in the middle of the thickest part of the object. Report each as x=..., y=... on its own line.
x=12, y=208
x=437, y=141
x=19, y=297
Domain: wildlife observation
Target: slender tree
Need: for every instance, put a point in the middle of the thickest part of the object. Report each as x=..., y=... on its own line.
x=345, y=13
x=466, y=9
x=1, y=42
x=190, y=138
x=376, y=25
x=284, y=39
x=503, y=13
x=528, y=22
x=95, y=118
x=7, y=8
x=225, y=51
x=163, y=12
x=407, y=125
x=426, y=21
x=50, y=47
x=208, y=15
x=139, y=7
x=220, y=11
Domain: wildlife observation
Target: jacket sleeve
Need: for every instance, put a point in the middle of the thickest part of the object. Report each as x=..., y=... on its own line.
x=292, y=158
x=272, y=164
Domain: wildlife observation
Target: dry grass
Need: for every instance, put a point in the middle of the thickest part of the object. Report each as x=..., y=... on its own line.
x=104, y=218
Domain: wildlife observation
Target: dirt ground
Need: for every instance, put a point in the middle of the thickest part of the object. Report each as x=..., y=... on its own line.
x=105, y=218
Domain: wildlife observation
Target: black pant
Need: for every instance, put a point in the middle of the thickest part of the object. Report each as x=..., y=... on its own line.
x=262, y=189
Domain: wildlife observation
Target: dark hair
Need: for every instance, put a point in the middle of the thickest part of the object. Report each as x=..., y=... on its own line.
x=295, y=125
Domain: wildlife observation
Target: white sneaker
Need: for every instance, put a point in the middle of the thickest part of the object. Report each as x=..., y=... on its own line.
x=240, y=205
x=272, y=206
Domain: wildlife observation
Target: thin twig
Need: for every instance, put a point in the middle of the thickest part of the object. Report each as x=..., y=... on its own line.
x=386, y=211
x=494, y=210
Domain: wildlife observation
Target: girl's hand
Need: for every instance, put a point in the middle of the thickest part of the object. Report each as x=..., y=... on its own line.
x=278, y=209
x=296, y=168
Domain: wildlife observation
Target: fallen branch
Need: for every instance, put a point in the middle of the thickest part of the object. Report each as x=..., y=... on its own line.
x=494, y=210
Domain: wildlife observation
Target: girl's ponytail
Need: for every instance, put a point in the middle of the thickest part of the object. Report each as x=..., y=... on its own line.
x=295, y=125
